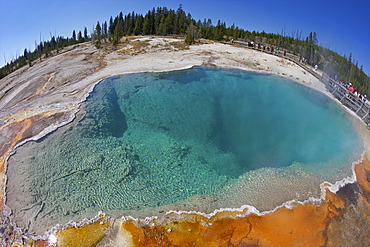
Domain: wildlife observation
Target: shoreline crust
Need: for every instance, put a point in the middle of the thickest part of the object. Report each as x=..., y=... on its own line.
x=51, y=102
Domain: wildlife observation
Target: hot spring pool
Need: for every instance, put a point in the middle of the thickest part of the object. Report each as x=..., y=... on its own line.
x=201, y=139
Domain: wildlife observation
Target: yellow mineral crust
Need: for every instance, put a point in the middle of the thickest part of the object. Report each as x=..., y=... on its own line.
x=86, y=235
x=363, y=178
x=303, y=225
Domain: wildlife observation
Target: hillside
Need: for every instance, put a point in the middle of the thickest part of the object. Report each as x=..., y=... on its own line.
x=163, y=21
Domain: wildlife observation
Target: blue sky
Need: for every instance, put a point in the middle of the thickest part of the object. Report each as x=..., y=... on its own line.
x=342, y=26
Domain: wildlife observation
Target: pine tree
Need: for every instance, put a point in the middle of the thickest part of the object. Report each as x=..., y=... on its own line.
x=169, y=22
x=349, y=68
x=311, y=42
x=181, y=20
x=86, y=37
x=188, y=39
x=98, y=36
x=220, y=30
x=154, y=16
x=25, y=54
x=116, y=35
x=111, y=28
x=105, y=30
x=79, y=37
x=130, y=23
x=161, y=29
x=98, y=31
x=29, y=60
x=139, y=24
x=120, y=23
x=53, y=43
x=41, y=49
x=147, y=24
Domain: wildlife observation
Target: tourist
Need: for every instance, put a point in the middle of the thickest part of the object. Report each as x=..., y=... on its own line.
x=351, y=88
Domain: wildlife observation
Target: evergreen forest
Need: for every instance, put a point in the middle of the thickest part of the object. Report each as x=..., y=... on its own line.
x=162, y=21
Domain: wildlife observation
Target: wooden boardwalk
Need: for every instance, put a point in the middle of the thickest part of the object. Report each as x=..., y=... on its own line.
x=359, y=107
x=348, y=99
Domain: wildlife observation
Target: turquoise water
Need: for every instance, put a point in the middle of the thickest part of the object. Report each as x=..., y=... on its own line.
x=151, y=139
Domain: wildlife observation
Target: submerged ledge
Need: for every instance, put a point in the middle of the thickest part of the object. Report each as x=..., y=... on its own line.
x=235, y=226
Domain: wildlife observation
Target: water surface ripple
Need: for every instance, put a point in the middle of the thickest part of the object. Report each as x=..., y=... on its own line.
x=153, y=139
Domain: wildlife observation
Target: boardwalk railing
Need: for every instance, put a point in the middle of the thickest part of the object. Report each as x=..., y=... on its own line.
x=359, y=106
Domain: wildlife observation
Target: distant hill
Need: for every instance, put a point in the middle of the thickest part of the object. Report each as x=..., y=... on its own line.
x=162, y=21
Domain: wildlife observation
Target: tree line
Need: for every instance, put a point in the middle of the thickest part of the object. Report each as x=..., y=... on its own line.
x=44, y=49
x=163, y=21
